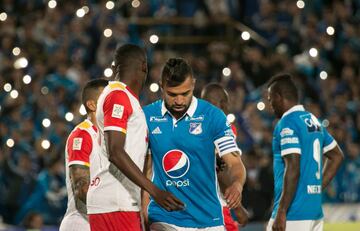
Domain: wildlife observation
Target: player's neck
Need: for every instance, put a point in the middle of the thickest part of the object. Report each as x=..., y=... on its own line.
x=92, y=118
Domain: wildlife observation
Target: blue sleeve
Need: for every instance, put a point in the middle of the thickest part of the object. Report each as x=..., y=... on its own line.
x=289, y=138
x=223, y=135
x=329, y=142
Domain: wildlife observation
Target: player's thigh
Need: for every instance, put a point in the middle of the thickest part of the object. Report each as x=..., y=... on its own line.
x=160, y=226
x=74, y=222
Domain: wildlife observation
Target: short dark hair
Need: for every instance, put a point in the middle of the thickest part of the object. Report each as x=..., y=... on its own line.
x=89, y=90
x=215, y=90
x=175, y=72
x=127, y=57
x=284, y=86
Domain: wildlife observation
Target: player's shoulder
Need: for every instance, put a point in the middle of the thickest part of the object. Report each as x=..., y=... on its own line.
x=82, y=129
x=153, y=108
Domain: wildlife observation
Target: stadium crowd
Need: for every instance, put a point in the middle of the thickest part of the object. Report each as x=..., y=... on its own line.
x=49, y=49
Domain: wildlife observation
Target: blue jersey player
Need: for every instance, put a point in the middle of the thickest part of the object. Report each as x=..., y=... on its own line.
x=183, y=133
x=299, y=144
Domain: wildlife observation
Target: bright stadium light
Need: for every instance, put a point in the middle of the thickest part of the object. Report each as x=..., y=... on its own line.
x=154, y=39
x=46, y=123
x=260, y=106
x=325, y=123
x=313, y=52
x=14, y=94
x=44, y=90
x=330, y=30
x=80, y=13
x=82, y=110
x=154, y=87
x=45, y=144
x=135, y=3
x=16, y=51
x=107, y=32
x=226, y=71
x=52, y=4
x=69, y=116
x=3, y=16
x=245, y=35
x=26, y=79
x=10, y=143
x=7, y=87
x=231, y=118
x=300, y=4
x=21, y=63
x=110, y=5
x=108, y=72
x=323, y=75
x=86, y=9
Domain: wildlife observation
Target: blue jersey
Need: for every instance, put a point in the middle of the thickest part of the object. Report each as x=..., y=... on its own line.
x=184, y=161
x=299, y=131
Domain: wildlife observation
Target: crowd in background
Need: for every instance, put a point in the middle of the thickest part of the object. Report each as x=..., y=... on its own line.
x=47, y=55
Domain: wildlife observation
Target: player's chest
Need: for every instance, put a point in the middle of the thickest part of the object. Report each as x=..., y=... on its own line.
x=190, y=131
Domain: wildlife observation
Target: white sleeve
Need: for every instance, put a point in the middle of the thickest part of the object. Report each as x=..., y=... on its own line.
x=225, y=145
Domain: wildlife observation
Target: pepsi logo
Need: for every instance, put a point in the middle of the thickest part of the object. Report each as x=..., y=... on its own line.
x=175, y=163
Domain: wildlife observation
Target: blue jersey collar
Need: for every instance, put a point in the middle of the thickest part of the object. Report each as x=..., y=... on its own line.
x=298, y=107
x=190, y=112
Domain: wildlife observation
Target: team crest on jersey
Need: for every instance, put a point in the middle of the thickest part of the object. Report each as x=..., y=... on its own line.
x=77, y=143
x=118, y=111
x=195, y=128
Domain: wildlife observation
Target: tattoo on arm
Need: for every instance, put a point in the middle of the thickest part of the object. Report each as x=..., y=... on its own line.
x=80, y=179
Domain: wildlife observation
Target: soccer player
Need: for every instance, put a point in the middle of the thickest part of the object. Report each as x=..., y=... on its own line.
x=300, y=143
x=218, y=96
x=114, y=196
x=183, y=133
x=81, y=144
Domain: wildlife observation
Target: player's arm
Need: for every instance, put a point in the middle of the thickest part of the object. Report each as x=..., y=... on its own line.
x=290, y=182
x=237, y=175
x=333, y=160
x=79, y=148
x=145, y=197
x=117, y=110
x=80, y=180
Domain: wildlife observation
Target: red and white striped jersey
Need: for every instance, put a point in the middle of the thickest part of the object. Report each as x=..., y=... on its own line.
x=118, y=109
x=80, y=145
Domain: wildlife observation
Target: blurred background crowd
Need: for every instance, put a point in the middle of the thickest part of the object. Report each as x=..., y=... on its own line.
x=49, y=49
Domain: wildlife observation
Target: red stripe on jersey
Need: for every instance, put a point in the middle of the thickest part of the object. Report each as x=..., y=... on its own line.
x=79, y=146
x=233, y=128
x=117, y=109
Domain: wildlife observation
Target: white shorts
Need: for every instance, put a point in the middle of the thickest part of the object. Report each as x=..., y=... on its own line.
x=75, y=222
x=301, y=225
x=161, y=226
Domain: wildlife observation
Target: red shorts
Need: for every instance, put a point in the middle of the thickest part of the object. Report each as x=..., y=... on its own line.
x=230, y=224
x=115, y=221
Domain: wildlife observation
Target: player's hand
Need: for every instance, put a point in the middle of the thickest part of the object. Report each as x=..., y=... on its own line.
x=242, y=215
x=233, y=195
x=168, y=201
x=280, y=221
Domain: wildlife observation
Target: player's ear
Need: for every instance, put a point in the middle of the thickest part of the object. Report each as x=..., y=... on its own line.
x=91, y=104
x=161, y=86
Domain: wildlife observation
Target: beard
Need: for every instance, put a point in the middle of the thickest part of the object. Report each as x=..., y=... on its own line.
x=176, y=110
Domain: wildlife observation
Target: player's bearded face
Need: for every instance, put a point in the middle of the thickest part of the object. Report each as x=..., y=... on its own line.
x=178, y=99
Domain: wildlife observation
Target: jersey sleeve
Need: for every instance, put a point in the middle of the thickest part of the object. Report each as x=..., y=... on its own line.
x=289, y=140
x=329, y=142
x=224, y=138
x=117, y=111
x=79, y=148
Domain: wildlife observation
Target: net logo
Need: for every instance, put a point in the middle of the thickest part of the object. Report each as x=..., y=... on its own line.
x=175, y=163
